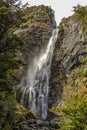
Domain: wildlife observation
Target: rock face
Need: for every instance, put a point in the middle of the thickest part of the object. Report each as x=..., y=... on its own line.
x=34, y=32
x=29, y=35
x=35, y=125
x=69, y=66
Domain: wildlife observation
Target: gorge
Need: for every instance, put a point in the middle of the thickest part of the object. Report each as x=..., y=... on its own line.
x=43, y=70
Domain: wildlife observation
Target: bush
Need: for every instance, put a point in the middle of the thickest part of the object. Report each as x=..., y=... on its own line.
x=74, y=113
x=83, y=74
x=81, y=14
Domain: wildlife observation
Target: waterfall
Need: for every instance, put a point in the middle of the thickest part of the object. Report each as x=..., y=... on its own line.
x=34, y=88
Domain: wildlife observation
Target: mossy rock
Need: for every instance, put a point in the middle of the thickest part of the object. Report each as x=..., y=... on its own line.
x=22, y=113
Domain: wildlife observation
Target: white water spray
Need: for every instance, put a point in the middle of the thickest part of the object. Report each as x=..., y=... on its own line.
x=34, y=88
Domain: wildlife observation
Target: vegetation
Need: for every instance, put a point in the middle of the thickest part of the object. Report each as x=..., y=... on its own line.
x=9, y=45
x=84, y=61
x=81, y=14
x=8, y=42
x=83, y=74
x=74, y=113
x=61, y=32
x=7, y=107
x=21, y=113
x=14, y=21
x=12, y=17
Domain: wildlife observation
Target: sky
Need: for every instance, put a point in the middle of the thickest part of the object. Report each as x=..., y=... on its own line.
x=62, y=8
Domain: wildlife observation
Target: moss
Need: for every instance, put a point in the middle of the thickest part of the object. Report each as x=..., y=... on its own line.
x=81, y=15
x=84, y=60
x=61, y=31
x=83, y=74
x=22, y=113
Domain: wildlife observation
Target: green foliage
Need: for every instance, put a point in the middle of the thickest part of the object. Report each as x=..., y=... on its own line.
x=84, y=61
x=8, y=61
x=82, y=11
x=82, y=73
x=10, y=15
x=37, y=16
x=74, y=113
x=61, y=32
x=7, y=107
x=21, y=113
x=9, y=46
x=81, y=14
x=4, y=10
x=9, y=43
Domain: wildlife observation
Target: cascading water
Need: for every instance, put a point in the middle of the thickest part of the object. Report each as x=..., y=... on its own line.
x=35, y=85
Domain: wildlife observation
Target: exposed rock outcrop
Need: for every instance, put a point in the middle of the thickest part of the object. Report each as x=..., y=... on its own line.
x=35, y=125
x=34, y=32
x=69, y=66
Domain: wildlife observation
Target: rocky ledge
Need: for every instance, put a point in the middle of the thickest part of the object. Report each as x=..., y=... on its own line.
x=35, y=125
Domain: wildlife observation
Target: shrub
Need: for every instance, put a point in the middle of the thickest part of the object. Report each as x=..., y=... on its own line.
x=74, y=113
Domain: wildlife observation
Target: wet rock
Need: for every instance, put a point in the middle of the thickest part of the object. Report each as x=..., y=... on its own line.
x=35, y=125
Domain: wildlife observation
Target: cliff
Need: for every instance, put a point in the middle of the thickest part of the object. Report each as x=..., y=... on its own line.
x=20, y=42
x=69, y=67
x=70, y=52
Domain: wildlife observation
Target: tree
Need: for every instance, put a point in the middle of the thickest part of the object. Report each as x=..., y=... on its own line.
x=75, y=8
x=75, y=113
x=8, y=42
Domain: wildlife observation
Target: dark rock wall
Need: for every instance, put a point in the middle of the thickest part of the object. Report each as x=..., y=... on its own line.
x=69, y=54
